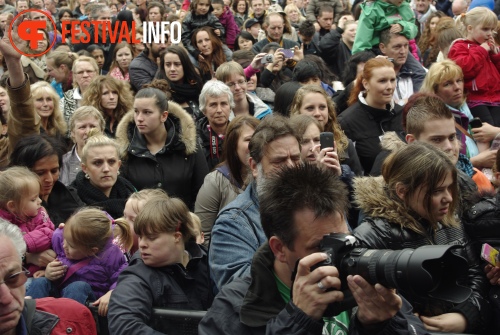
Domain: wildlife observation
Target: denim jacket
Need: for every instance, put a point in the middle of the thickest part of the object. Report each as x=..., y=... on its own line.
x=236, y=236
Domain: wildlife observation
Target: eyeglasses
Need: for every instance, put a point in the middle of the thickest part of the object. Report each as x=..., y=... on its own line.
x=16, y=279
x=239, y=82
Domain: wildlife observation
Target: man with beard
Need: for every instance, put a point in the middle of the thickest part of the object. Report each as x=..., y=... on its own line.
x=237, y=232
x=143, y=68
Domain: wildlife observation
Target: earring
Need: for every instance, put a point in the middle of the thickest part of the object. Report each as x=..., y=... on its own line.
x=87, y=176
x=118, y=173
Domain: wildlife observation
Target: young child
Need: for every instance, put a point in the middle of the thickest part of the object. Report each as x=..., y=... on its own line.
x=200, y=15
x=20, y=204
x=479, y=58
x=379, y=15
x=88, y=263
x=200, y=236
x=226, y=18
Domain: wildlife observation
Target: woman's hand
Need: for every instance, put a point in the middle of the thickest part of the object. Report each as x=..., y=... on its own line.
x=103, y=303
x=298, y=53
x=328, y=158
x=217, y=32
x=41, y=259
x=55, y=270
x=486, y=133
x=484, y=159
x=257, y=61
x=200, y=58
x=493, y=274
x=447, y=323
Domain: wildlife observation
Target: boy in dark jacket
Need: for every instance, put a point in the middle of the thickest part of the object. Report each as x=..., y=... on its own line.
x=226, y=18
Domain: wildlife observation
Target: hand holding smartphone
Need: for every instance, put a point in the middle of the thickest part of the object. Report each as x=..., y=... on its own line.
x=490, y=254
x=326, y=140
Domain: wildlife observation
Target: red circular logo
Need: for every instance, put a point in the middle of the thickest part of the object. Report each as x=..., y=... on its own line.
x=33, y=36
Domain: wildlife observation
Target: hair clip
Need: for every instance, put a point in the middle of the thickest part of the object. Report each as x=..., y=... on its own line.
x=109, y=217
x=462, y=14
x=178, y=228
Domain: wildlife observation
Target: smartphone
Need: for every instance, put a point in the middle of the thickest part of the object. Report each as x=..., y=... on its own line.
x=326, y=140
x=475, y=123
x=288, y=53
x=490, y=254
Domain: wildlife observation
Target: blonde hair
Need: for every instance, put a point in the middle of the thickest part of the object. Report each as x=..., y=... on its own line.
x=165, y=215
x=145, y=195
x=17, y=183
x=81, y=59
x=332, y=123
x=56, y=123
x=439, y=73
x=96, y=140
x=478, y=16
x=92, y=228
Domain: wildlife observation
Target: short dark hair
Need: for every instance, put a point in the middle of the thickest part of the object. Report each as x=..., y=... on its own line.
x=294, y=188
x=423, y=107
x=324, y=9
x=307, y=29
x=386, y=36
x=217, y=2
x=31, y=149
x=305, y=70
x=284, y=97
x=269, y=130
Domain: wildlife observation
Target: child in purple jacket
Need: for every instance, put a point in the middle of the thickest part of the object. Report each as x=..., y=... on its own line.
x=88, y=262
x=226, y=18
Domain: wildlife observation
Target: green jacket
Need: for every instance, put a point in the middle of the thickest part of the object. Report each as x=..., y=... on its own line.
x=379, y=15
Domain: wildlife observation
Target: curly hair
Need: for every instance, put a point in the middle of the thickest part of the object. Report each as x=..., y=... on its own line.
x=428, y=39
x=332, y=123
x=56, y=123
x=217, y=57
x=93, y=96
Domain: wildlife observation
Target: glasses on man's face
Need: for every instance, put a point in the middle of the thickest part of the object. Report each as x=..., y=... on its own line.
x=16, y=279
x=239, y=82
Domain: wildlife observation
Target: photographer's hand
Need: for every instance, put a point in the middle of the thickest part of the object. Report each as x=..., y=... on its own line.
x=310, y=296
x=375, y=302
x=447, y=323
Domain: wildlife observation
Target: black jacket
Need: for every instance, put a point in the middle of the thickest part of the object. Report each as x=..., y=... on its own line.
x=364, y=125
x=285, y=44
x=62, y=203
x=206, y=138
x=253, y=305
x=335, y=51
x=141, y=287
x=386, y=226
x=179, y=167
x=142, y=70
x=192, y=22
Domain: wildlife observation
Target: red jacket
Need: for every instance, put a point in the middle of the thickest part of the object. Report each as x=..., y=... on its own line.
x=232, y=30
x=481, y=70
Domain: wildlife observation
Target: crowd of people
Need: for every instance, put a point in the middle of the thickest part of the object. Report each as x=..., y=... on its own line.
x=193, y=172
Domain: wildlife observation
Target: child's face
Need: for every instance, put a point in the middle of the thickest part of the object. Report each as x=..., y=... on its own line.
x=479, y=33
x=254, y=30
x=32, y=202
x=129, y=213
x=160, y=249
x=70, y=249
x=202, y=7
x=218, y=9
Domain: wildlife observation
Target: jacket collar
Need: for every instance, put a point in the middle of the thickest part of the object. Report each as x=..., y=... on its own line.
x=376, y=113
x=181, y=132
x=262, y=300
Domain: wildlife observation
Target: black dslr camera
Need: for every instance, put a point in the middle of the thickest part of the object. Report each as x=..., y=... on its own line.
x=430, y=270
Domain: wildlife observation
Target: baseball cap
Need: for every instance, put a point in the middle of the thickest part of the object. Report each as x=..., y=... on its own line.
x=250, y=23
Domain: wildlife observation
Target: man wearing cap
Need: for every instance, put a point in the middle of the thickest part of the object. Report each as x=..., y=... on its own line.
x=253, y=27
x=274, y=33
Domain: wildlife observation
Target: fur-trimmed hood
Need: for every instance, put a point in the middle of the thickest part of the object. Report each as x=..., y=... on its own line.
x=372, y=198
x=179, y=122
x=392, y=141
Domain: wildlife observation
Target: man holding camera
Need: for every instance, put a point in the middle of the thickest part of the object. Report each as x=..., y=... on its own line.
x=298, y=206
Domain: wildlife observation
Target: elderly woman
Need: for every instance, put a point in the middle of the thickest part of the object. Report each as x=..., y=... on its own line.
x=232, y=74
x=112, y=97
x=446, y=80
x=99, y=183
x=159, y=138
x=372, y=110
x=184, y=81
x=82, y=121
x=223, y=185
x=216, y=102
x=84, y=70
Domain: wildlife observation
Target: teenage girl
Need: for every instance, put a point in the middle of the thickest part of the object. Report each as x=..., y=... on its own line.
x=200, y=15
x=88, y=262
x=20, y=204
x=479, y=58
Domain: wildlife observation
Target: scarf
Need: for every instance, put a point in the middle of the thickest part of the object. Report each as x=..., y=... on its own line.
x=93, y=196
x=117, y=73
x=182, y=93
